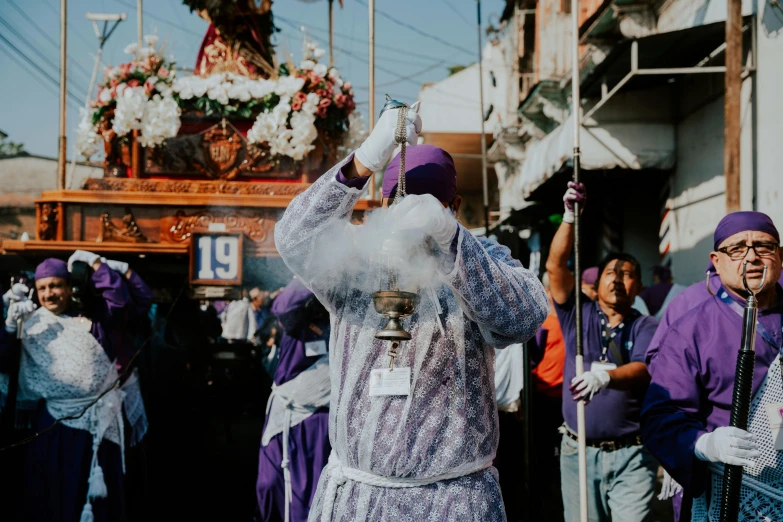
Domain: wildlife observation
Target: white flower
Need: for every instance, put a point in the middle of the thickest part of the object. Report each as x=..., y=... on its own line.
x=151, y=39
x=146, y=51
x=160, y=120
x=306, y=65
x=105, y=96
x=87, y=138
x=261, y=88
x=130, y=110
x=288, y=85
x=319, y=53
x=131, y=48
x=320, y=70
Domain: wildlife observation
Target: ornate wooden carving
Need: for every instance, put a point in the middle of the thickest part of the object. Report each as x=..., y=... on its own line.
x=195, y=187
x=221, y=146
x=47, y=224
x=128, y=233
x=256, y=225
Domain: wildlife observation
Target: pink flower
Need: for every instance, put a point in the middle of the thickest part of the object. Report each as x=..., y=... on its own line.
x=321, y=112
x=321, y=93
x=326, y=102
x=114, y=82
x=340, y=100
x=133, y=83
x=125, y=69
x=347, y=86
x=296, y=105
x=300, y=97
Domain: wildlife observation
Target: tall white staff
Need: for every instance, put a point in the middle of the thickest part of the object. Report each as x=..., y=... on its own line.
x=576, y=114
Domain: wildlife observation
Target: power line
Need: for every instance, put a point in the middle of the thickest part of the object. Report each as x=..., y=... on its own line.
x=417, y=30
x=454, y=9
x=161, y=19
x=297, y=24
x=33, y=48
x=46, y=36
x=37, y=67
x=79, y=35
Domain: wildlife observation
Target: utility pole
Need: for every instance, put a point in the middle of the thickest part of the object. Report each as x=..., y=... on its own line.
x=484, y=185
x=371, y=66
x=732, y=100
x=63, y=91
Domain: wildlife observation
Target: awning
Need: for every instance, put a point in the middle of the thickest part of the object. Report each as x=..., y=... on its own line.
x=626, y=145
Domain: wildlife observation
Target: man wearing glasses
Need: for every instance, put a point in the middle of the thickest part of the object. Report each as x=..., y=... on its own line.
x=685, y=418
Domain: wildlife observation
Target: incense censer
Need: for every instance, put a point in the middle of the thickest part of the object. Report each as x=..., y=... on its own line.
x=390, y=301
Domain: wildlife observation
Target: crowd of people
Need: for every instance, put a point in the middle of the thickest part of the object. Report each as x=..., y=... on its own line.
x=430, y=430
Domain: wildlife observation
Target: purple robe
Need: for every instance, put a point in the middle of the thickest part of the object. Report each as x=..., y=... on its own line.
x=308, y=444
x=58, y=462
x=693, y=380
x=688, y=299
x=655, y=295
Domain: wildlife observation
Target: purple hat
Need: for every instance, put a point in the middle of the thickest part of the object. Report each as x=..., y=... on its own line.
x=590, y=275
x=52, y=268
x=428, y=170
x=742, y=222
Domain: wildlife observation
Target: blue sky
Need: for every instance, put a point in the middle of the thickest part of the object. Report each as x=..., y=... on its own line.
x=442, y=33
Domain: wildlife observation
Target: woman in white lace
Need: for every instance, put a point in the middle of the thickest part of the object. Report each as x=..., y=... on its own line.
x=74, y=471
x=427, y=454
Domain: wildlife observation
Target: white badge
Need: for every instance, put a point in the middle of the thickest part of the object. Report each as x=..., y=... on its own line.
x=315, y=348
x=603, y=366
x=775, y=417
x=390, y=382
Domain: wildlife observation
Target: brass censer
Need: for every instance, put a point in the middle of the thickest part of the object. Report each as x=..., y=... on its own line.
x=390, y=301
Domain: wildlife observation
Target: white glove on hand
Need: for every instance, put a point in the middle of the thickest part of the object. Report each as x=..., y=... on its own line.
x=17, y=310
x=585, y=386
x=377, y=149
x=425, y=215
x=575, y=194
x=118, y=266
x=728, y=445
x=84, y=256
x=18, y=292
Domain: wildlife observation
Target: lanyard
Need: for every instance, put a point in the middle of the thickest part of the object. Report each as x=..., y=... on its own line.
x=607, y=334
x=723, y=295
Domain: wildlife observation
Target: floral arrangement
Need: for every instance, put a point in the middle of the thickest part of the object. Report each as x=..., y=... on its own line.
x=288, y=110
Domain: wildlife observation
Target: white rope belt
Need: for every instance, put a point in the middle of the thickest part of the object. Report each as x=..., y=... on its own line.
x=340, y=474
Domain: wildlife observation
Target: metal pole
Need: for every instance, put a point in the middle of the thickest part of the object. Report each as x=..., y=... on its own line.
x=371, y=118
x=331, y=33
x=483, y=137
x=63, y=146
x=576, y=113
x=732, y=102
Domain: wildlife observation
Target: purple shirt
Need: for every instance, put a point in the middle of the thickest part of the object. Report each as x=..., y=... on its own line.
x=612, y=413
x=693, y=381
x=688, y=299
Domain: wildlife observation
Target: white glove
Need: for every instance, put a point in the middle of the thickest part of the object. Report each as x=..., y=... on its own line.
x=18, y=292
x=670, y=489
x=425, y=215
x=588, y=384
x=118, y=266
x=377, y=149
x=728, y=445
x=575, y=194
x=84, y=256
x=17, y=310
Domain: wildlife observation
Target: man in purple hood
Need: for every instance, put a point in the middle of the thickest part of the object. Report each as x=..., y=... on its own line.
x=686, y=412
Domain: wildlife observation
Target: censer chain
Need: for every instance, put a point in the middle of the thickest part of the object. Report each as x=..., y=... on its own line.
x=401, y=138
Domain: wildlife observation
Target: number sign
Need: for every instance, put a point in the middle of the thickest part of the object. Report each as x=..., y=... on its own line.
x=216, y=259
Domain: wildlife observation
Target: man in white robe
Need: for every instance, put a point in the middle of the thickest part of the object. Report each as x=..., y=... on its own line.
x=424, y=453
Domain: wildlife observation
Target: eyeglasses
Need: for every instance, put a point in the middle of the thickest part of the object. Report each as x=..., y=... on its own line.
x=738, y=252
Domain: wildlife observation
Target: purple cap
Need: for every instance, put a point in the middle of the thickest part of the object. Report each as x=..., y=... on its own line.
x=742, y=222
x=428, y=170
x=590, y=275
x=52, y=267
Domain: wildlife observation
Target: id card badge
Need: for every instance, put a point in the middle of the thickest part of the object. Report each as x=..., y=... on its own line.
x=775, y=418
x=384, y=381
x=315, y=348
x=603, y=366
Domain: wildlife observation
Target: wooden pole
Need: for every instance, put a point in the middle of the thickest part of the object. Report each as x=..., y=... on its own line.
x=732, y=101
x=140, y=21
x=484, y=186
x=63, y=146
x=576, y=114
x=331, y=33
x=371, y=117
